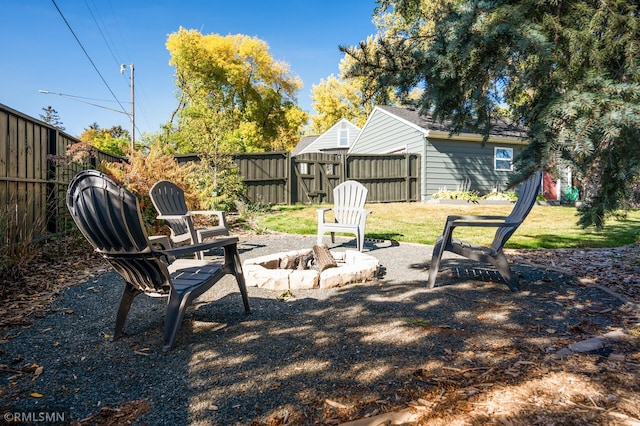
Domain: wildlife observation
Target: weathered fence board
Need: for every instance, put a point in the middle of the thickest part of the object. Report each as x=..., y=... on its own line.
x=267, y=176
x=33, y=181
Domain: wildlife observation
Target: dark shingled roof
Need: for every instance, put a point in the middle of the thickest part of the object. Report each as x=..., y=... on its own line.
x=501, y=127
x=305, y=141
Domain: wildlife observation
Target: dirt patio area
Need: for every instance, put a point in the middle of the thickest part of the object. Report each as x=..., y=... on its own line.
x=565, y=350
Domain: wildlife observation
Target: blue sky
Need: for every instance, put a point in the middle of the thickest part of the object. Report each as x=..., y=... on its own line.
x=39, y=51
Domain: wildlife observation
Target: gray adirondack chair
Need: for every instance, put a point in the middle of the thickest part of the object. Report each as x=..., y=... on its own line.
x=349, y=215
x=506, y=226
x=168, y=199
x=108, y=216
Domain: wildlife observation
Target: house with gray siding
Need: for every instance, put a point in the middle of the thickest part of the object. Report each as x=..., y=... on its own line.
x=459, y=161
x=337, y=140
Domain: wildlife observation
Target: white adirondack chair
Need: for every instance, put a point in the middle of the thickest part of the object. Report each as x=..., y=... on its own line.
x=349, y=215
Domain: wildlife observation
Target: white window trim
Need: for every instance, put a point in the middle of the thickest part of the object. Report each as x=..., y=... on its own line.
x=495, y=159
x=346, y=131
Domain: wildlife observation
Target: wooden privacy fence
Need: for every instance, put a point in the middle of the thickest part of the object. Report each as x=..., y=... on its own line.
x=278, y=178
x=33, y=179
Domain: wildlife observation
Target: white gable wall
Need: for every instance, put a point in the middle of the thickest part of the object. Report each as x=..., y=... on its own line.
x=329, y=139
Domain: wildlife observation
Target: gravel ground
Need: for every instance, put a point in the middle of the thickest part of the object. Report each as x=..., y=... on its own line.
x=289, y=361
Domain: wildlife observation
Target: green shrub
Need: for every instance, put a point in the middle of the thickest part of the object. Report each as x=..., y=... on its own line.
x=504, y=195
x=443, y=194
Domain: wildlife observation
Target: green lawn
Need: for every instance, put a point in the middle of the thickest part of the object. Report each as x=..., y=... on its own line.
x=545, y=227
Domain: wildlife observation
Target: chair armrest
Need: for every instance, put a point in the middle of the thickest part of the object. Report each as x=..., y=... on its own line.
x=220, y=242
x=481, y=224
x=209, y=212
x=454, y=221
x=463, y=217
x=160, y=240
x=363, y=215
x=172, y=216
x=321, y=213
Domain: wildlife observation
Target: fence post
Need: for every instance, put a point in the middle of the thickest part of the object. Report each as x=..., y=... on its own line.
x=52, y=186
x=343, y=166
x=289, y=178
x=408, y=174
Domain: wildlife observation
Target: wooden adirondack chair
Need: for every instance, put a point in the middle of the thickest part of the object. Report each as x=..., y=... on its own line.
x=506, y=226
x=349, y=214
x=108, y=216
x=168, y=199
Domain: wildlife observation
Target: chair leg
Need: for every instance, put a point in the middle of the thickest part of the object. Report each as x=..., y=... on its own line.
x=360, y=240
x=502, y=265
x=320, y=235
x=176, y=306
x=436, y=256
x=234, y=266
x=129, y=293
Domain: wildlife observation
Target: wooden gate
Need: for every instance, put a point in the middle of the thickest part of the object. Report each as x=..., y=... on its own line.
x=315, y=175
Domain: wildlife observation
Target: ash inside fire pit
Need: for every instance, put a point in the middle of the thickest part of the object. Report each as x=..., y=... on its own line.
x=309, y=268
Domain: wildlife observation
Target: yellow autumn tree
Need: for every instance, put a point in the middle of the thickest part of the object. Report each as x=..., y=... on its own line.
x=339, y=97
x=233, y=95
x=334, y=99
x=115, y=140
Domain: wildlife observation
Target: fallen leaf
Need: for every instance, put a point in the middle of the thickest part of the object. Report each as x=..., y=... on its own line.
x=38, y=371
x=336, y=404
x=36, y=395
x=285, y=295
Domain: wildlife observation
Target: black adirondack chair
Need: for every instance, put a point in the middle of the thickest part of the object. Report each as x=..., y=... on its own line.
x=108, y=216
x=168, y=199
x=506, y=226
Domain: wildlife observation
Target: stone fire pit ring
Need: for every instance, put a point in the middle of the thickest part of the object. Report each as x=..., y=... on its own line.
x=265, y=271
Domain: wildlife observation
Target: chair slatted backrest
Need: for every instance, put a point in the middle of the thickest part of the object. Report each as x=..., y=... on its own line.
x=108, y=216
x=349, y=198
x=527, y=194
x=168, y=199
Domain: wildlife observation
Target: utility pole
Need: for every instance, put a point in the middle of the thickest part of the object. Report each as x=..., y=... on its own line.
x=133, y=105
x=133, y=114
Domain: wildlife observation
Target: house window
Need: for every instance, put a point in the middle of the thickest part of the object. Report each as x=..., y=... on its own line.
x=304, y=168
x=503, y=158
x=343, y=136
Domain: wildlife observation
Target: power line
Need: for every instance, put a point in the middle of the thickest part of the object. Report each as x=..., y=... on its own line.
x=113, y=55
x=140, y=106
x=87, y=55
